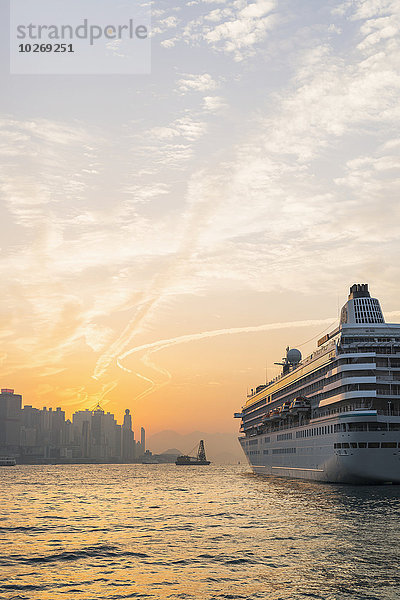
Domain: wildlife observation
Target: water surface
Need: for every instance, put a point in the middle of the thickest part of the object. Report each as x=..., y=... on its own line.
x=105, y=532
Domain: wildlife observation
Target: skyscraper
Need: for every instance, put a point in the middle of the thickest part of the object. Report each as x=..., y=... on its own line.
x=143, y=440
x=10, y=420
x=128, y=438
x=127, y=420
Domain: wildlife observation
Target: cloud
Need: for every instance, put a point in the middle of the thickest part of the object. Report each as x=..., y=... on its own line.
x=162, y=25
x=48, y=175
x=97, y=337
x=214, y=103
x=150, y=348
x=170, y=43
x=185, y=127
x=235, y=30
x=197, y=83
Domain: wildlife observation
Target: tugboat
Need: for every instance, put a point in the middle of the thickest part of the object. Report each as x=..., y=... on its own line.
x=200, y=459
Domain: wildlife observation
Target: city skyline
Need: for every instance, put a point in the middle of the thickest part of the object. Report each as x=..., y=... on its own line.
x=164, y=237
x=40, y=435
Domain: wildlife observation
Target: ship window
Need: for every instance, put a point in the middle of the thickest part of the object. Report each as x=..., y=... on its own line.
x=388, y=445
x=358, y=426
x=373, y=444
x=362, y=444
x=345, y=445
x=376, y=427
x=337, y=445
x=353, y=444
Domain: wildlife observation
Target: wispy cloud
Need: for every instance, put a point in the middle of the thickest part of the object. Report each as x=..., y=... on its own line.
x=152, y=347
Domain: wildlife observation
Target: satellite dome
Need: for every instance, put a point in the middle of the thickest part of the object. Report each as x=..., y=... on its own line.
x=293, y=356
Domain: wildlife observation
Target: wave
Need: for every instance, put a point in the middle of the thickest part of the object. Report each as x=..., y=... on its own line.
x=23, y=528
x=33, y=587
x=102, y=551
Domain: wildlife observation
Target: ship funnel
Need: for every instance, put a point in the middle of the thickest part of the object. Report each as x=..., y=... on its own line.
x=359, y=290
x=360, y=307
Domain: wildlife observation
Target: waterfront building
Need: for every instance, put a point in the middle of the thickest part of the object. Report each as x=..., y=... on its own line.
x=128, y=438
x=37, y=435
x=10, y=420
x=143, y=440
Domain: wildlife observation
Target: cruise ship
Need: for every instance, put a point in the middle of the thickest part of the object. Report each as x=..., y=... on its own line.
x=333, y=416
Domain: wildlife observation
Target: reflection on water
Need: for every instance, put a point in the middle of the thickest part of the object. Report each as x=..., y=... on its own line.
x=155, y=531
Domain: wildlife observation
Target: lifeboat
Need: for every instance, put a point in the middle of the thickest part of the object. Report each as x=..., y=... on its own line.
x=284, y=409
x=276, y=413
x=299, y=405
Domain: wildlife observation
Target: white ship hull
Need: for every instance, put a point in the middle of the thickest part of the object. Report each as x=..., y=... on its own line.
x=358, y=457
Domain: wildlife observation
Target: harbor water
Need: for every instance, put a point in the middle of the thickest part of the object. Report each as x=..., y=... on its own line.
x=109, y=532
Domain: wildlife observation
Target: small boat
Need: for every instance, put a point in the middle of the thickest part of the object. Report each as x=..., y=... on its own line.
x=284, y=409
x=7, y=461
x=275, y=414
x=200, y=459
x=299, y=404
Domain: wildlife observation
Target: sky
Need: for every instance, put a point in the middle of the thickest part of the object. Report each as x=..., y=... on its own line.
x=164, y=237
